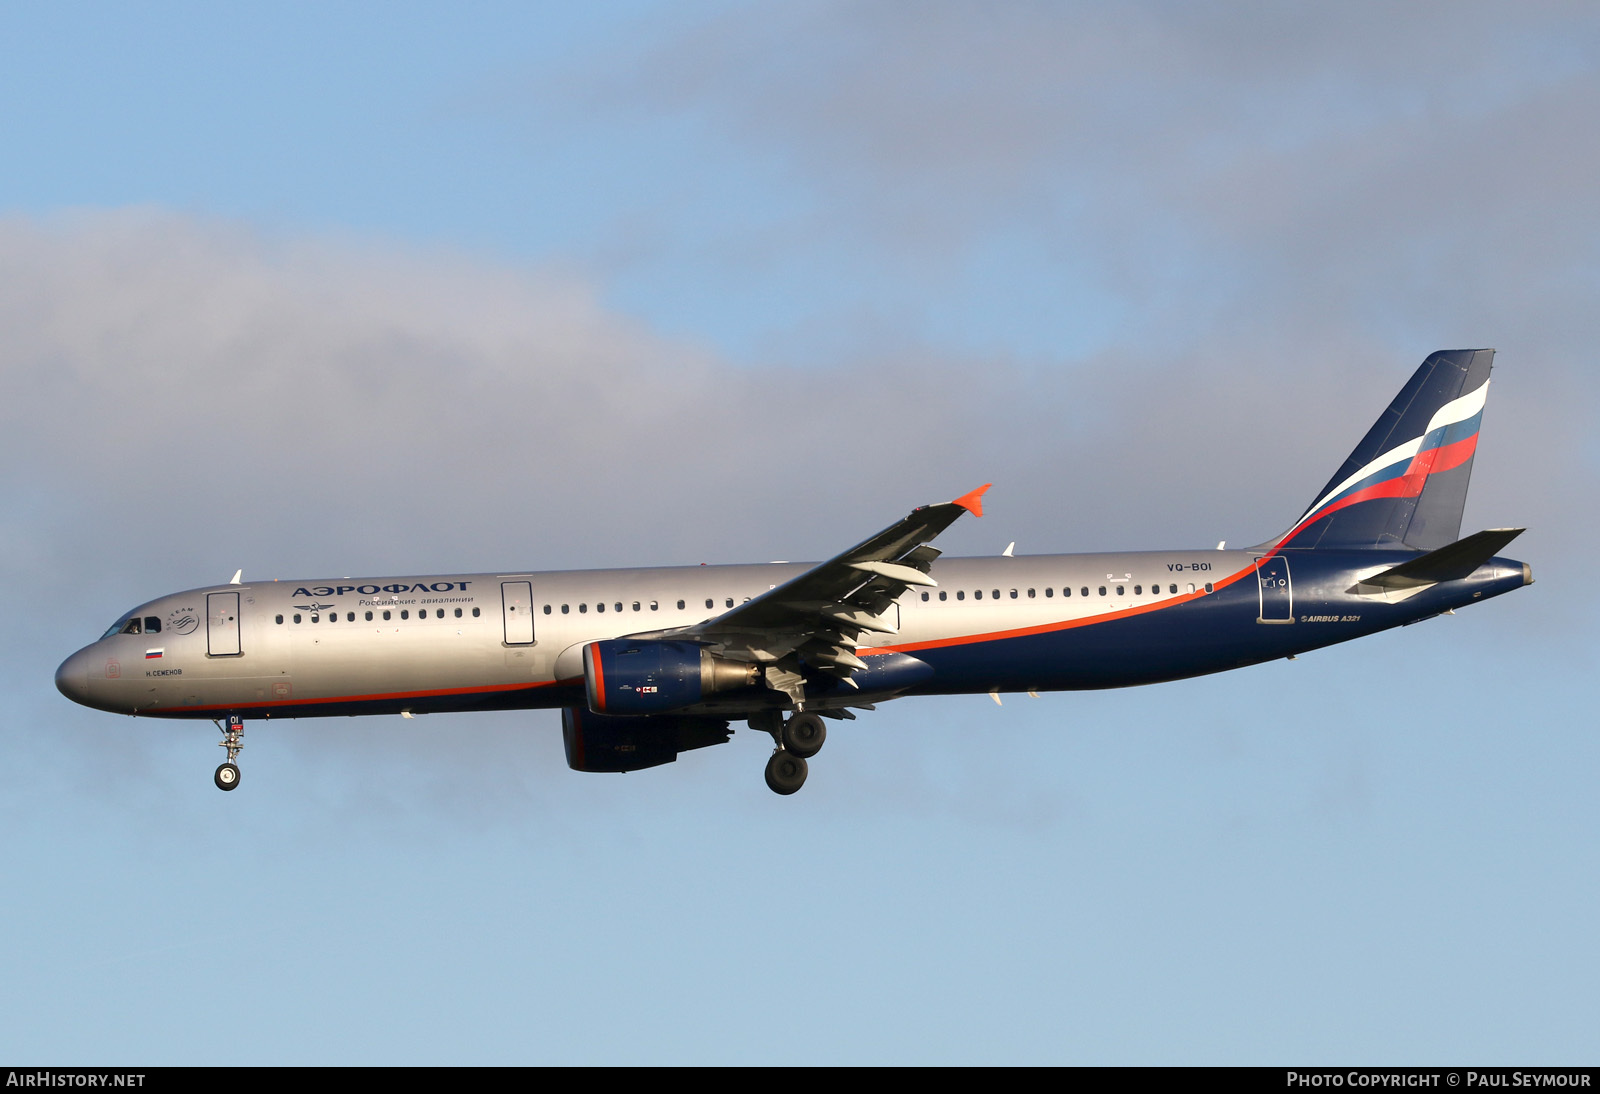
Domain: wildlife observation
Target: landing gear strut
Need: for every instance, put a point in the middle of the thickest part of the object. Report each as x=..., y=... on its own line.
x=797, y=739
x=227, y=776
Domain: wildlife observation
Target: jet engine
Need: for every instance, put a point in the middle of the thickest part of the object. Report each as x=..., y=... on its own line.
x=629, y=678
x=597, y=743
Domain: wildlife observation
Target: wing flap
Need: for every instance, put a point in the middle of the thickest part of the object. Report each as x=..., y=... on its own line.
x=812, y=623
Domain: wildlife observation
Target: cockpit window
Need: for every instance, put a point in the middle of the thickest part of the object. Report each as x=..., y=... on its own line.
x=132, y=624
x=125, y=625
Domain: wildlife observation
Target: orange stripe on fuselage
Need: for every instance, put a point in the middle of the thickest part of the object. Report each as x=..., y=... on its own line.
x=1065, y=624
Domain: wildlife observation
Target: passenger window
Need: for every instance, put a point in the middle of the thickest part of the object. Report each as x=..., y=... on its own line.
x=708, y=602
x=439, y=613
x=369, y=617
x=565, y=610
x=458, y=611
x=997, y=594
x=961, y=594
x=474, y=613
x=583, y=609
x=1119, y=590
x=1030, y=594
x=1014, y=593
x=405, y=613
x=315, y=618
x=600, y=607
x=297, y=617
x=280, y=619
x=1050, y=593
x=386, y=615
x=944, y=595
x=1085, y=591
x=546, y=610
x=635, y=605
x=1172, y=588
x=654, y=606
x=924, y=597
x=730, y=602
x=1102, y=590
x=1138, y=590
x=977, y=594
x=1208, y=587
x=617, y=607
x=680, y=605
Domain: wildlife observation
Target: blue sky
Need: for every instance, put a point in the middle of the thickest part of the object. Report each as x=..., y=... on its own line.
x=369, y=289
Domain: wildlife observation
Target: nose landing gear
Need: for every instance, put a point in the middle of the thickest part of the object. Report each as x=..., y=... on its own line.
x=227, y=776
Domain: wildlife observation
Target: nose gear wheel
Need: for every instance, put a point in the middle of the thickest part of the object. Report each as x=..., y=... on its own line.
x=227, y=776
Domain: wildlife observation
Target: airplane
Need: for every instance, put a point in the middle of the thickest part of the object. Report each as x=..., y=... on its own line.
x=647, y=664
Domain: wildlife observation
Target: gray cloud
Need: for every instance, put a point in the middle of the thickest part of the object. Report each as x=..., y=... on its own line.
x=1286, y=208
x=202, y=397
x=1419, y=171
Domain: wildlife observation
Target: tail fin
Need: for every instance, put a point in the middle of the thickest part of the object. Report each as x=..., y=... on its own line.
x=1406, y=482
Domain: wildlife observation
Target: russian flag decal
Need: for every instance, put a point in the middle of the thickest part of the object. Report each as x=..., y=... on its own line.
x=154, y=655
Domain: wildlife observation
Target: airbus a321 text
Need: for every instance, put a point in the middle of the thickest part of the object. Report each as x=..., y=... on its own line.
x=647, y=664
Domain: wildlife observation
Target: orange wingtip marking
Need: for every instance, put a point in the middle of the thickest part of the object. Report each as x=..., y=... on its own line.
x=973, y=502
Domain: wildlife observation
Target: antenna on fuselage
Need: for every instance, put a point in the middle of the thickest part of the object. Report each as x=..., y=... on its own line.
x=1012, y=546
x=237, y=574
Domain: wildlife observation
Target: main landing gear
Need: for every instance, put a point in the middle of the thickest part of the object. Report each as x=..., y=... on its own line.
x=227, y=776
x=797, y=739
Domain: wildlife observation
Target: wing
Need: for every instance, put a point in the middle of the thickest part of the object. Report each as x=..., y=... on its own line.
x=813, y=623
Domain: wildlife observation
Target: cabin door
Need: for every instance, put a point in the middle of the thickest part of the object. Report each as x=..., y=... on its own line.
x=1277, y=594
x=222, y=624
x=516, y=605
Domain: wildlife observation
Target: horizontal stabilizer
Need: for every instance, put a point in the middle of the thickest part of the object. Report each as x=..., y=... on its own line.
x=1449, y=563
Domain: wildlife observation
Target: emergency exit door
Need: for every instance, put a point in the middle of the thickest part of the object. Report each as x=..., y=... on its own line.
x=516, y=604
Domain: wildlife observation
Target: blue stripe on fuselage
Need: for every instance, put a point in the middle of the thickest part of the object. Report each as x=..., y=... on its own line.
x=1209, y=634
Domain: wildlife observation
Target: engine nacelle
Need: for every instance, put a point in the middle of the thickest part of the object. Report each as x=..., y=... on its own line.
x=597, y=743
x=630, y=678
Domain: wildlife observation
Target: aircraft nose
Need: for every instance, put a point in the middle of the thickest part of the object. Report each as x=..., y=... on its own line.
x=72, y=678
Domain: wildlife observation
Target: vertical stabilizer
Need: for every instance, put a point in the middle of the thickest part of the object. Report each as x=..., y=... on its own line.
x=1406, y=482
